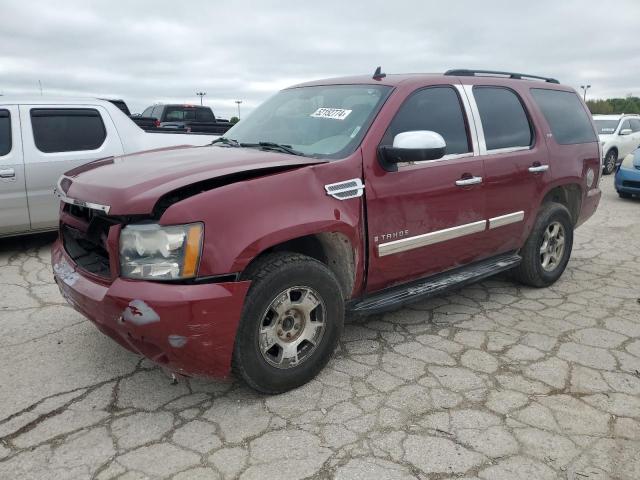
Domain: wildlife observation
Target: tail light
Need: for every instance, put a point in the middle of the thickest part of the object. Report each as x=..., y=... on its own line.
x=157, y=123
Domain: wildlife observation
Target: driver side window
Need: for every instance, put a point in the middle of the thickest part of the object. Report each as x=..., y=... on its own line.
x=437, y=109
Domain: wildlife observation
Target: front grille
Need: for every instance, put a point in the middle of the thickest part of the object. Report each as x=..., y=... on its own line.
x=87, y=246
x=630, y=184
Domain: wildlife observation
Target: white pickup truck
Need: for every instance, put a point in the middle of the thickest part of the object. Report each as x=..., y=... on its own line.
x=41, y=138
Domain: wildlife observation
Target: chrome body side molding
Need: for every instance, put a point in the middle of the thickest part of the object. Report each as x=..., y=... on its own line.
x=507, y=219
x=430, y=238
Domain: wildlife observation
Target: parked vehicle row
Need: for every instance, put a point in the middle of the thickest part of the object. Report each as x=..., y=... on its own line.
x=41, y=138
x=619, y=136
x=354, y=194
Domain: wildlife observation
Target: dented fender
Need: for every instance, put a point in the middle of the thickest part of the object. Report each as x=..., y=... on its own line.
x=245, y=218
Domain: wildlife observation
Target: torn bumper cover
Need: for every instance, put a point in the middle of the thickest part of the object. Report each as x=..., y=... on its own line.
x=188, y=329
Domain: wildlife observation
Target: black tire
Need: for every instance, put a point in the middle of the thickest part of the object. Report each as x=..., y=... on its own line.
x=531, y=271
x=624, y=195
x=271, y=276
x=610, y=162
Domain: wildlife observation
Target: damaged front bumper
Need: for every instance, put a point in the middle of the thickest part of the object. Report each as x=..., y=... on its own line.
x=188, y=329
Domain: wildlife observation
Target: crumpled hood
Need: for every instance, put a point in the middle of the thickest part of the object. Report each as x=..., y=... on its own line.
x=132, y=184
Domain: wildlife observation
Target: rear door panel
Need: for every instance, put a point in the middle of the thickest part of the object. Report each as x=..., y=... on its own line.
x=14, y=211
x=43, y=169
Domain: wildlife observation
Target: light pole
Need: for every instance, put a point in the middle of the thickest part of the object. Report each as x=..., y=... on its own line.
x=238, y=102
x=201, y=94
x=584, y=89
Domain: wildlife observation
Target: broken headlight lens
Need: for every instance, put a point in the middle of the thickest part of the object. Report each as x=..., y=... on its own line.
x=154, y=252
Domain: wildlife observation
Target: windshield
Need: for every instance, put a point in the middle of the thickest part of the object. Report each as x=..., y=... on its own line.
x=320, y=121
x=606, y=127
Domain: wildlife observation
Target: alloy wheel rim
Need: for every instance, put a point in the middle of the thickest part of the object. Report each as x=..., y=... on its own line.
x=291, y=327
x=611, y=162
x=552, y=248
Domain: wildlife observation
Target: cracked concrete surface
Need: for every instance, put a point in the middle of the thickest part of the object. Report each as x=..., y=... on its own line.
x=496, y=381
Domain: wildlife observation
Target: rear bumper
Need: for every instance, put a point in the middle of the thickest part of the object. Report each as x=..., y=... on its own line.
x=189, y=329
x=628, y=180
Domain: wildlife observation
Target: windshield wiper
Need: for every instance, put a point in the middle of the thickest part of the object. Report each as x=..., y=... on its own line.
x=226, y=141
x=273, y=146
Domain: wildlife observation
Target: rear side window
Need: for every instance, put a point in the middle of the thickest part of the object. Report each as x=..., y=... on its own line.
x=191, y=114
x=204, y=115
x=567, y=118
x=67, y=129
x=437, y=109
x=5, y=132
x=504, y=121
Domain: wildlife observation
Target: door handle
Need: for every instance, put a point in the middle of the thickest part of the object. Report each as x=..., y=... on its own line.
x=463, y=182
x=7, y=173
x=538, y=168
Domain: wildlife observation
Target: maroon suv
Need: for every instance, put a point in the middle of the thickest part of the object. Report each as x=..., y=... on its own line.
x=346, y=195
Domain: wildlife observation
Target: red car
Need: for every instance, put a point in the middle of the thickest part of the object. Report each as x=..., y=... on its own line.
x=346, y=195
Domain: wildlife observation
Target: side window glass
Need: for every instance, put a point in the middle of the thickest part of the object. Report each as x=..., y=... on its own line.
x=504, y=121
x=437, y=109
x=567, y=118
x=147, y=112
x=625, y=126
x=67, y=129
x=5, y=132
x=635, y=124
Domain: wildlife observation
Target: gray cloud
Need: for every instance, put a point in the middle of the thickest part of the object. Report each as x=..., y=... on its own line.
x=148, y=51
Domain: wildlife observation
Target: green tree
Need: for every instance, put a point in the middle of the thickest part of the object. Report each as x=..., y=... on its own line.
x=234, y=120
x=629, y=104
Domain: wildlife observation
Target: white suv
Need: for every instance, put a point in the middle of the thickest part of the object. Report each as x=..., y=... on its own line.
x=619, y=136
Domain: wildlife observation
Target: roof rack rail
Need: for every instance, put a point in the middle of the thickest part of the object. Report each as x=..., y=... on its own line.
x=463, y=72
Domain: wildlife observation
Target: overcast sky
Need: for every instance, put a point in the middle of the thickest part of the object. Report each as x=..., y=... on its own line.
x=160, y=51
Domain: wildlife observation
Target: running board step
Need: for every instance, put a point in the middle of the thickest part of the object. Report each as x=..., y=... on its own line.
x=394, y=297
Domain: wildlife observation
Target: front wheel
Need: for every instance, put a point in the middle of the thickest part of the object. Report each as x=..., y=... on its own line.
x=291, y=322
x=624, y=195
x=610, y=161
x=546, y=252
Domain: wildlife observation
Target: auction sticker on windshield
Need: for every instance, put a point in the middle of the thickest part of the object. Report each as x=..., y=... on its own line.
x=334, y=113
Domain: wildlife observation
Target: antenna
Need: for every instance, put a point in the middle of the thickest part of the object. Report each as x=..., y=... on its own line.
x=378, y=75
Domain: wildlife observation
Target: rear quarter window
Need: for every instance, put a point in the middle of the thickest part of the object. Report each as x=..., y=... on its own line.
x=566, y=116
x=67, y=129
x=5, y=132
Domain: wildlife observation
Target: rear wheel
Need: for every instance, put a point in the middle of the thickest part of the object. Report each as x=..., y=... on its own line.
x=546, y=252
x=291, y=322
x=610, y=161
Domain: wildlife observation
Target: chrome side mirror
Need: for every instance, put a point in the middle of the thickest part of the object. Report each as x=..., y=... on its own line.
x=414, y=146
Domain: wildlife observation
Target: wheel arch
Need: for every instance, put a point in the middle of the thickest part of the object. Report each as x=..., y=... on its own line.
x=569, y=195
x=333, y=249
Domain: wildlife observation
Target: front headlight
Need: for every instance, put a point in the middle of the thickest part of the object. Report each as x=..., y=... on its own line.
x=628, y=161
x=154, y=252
